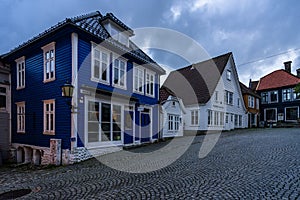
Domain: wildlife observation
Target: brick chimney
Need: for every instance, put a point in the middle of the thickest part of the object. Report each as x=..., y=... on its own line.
x=287, y=66
x=298, y=72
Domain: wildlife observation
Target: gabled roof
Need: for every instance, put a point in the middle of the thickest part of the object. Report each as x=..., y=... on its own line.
x=164, y=93
x=93, y=24
x=195, y=84
x=253, y=85
x=277, y=79
x=246, y=90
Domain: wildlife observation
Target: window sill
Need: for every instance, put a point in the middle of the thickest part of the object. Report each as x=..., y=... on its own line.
x=100, y=81
x=48, y=133
x=20, y=88
x=21, y=132
x=138, y=92
x=49, y=80
x=119, y=87
x=149, y=95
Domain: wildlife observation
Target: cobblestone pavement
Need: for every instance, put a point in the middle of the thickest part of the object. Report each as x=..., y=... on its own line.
x=245, y=164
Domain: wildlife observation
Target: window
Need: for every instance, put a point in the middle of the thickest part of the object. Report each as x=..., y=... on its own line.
x=232, y=116
x=20, y=72
x=291, y=113
x=216, y=118
x=49, y=62
x=270, y=114
x=228, y=75
x=227, y=118
x=221, y=119
x=119, y=73
x=21, y=117
x=264, y=97
x=173, y=122
x=149, y=83
x=240, y=120
x=2, y=98
x=296, y=96
x=236, y=120
x=100, y=64
x=138, y=80
x=250, y=101
x=209, y=119
x=116, y=34
x=286, y=94
x=194, y=117
x=216, y=96
x=229, y=97
x=273, y=96
x=49, y=117
x=104, y=121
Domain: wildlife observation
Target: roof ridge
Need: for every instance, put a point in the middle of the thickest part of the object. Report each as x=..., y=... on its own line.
x=85, y=16
x=201, y=62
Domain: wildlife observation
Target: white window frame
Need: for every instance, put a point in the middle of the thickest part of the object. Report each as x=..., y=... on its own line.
x=266, y=94
x=139, y=78
x=120, y=60
x=286, y=93
x=294, y=95
x=173, y=122
x=251, y=102
x=209, y=117
x=271, y=98
x=228, y=75
x=285, y=113
x=229, y=97
x=21, y=117
x=21, y=71
x=194, y=117
x=101, y=61
x=149, y=81
x=47, y=115
x=48, y=49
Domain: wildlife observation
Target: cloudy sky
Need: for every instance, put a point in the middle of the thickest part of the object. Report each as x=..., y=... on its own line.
x=264, y=31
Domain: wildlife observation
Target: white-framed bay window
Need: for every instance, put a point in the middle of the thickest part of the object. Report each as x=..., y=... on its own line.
x=150, y=78
x=138, y=79
x=119, y=72
x=100, y=64
x=20, y=72
x=49, y=62
x=21, y=117
x=49, y=117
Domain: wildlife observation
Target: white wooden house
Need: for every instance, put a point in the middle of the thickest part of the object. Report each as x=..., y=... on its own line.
x=211, y=95
x=172, y=123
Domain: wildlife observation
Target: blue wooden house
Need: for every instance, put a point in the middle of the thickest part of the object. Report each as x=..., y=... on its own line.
x=116, y=91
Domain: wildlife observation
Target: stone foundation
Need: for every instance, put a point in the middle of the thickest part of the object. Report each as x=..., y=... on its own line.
x=23, y=153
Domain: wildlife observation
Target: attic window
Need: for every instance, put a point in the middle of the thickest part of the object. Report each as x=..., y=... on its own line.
x=228, y=75
x=117, y=34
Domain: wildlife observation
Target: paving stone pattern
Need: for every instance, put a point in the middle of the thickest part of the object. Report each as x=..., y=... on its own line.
x=244, y=164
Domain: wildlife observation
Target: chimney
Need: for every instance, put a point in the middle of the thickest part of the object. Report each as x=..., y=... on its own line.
x=250, y=83
x=287, y=66
x=298, y=73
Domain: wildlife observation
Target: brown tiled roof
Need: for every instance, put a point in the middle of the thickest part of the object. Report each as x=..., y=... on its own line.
x=196, y=83
x=164, y=93
x=277, y=79
x=246, y=90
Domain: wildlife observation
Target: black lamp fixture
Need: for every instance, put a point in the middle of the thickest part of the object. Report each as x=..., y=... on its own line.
x=67, y=90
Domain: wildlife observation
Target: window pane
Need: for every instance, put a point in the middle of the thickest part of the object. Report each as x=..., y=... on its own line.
x=116, y=75
x=104, y=72
x=105, y=115
x=104, y=57
x=2, y=101
x=292, y=113
x=97, y=54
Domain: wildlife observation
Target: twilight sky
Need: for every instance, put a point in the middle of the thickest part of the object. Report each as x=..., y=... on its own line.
x=265, y=31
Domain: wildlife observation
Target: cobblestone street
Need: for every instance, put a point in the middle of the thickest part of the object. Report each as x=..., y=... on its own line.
x=244, y=164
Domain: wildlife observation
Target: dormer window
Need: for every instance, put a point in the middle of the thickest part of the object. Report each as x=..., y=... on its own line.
x=117, y=34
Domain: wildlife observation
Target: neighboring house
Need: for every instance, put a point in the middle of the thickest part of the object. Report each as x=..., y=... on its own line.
x=5, y=111
x=211, y=95
x=116, y=91
x=251, y=100
x=172, y=113
x=279, y=101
